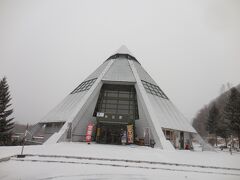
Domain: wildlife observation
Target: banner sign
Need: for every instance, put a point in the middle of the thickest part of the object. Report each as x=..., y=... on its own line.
x=89, y=132
x=130, y=133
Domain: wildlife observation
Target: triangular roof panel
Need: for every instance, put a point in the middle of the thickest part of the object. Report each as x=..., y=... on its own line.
x=120, y=71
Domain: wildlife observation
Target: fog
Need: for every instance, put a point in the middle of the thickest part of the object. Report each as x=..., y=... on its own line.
x=48, y=47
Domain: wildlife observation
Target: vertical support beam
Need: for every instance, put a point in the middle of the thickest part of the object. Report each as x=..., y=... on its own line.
x=153, y=121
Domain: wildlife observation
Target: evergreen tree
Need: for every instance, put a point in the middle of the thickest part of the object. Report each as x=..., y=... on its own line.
x=6, y=123
x=212, y=121
x=200, y=121
x=223, y=129
x=232, y=112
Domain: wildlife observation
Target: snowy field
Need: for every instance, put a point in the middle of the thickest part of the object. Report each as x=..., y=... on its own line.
x=95, y=161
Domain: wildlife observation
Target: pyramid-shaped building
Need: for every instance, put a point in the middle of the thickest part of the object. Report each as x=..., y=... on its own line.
x=123, y=104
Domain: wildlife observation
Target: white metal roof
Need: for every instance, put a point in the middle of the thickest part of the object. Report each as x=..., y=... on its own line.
x=120, y=71
x=143, y=74
x=168, y=115
x=69, y=106
x=64, y=109
x=97, y=72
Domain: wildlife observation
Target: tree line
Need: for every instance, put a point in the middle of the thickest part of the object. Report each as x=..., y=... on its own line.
x=221, y=117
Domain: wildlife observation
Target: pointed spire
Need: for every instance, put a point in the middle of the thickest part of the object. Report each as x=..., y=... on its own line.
x=123, y=50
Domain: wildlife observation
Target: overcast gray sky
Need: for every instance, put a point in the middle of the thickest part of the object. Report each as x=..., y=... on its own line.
x=48, y=47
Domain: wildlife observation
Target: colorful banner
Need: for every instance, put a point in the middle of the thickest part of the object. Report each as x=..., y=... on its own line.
x=130, y=134
x=89, y=133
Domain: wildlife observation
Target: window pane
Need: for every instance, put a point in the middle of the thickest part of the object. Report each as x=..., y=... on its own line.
x=110, y=111
x=123, y=106
x=123, y=102
x=112, y=95
x=122, y=111
x=112, y=106
x=84, y=86
x=118, y=99
x=153, y=89
x=112, y=101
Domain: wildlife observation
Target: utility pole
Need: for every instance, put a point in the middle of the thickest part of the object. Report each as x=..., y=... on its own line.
x=23, y=142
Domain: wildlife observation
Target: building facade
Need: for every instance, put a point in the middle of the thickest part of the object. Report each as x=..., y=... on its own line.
x=124, y=105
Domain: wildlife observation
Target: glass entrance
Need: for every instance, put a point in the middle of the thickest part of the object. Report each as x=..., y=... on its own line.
x=116, y=111
x=111, y=133
x=117, y=100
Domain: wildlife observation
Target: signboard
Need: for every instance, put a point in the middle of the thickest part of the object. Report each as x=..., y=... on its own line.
x=130, y=133
x=89, y=132
x=100, y=114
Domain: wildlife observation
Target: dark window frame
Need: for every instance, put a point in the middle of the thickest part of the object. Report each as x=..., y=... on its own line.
x=125, y=99
x=84, y=86
x=153, y=89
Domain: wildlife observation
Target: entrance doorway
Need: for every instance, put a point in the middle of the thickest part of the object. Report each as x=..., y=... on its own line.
x=110, y=133
x=116, y=111
x=181, y=140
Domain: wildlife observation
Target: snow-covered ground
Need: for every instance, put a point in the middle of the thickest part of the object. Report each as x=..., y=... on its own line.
x=95, y=161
